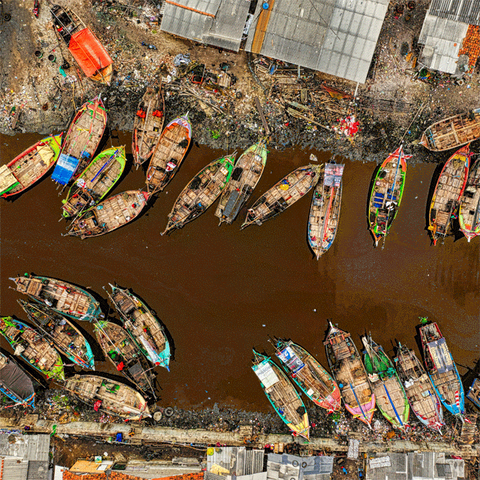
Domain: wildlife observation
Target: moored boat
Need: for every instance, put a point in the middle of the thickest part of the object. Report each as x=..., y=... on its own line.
x=452, y=132
x=282, y=394
x=168, y=153
x=30, y=166
x=315, y=382
x=441, y=368
x=148, y=123
x=200, y=193
x=325, y=209
x=110, y=214
x=142, y=324
x=15, y=383
x=108, y=395
x=30, y=345
x=81, y=141
x=469, y=210
x=349, y=372
x=245, y=176
x=421, y=395
x=61, y=296
x=63, y=334
x=283, y=194
x=447, y=194
x=474, y=392
x=386, y=194
x=386, y=385
x=95, y=181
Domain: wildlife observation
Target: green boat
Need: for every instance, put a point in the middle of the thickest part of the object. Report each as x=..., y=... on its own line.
x=391, y=398
x=95, y=181
x=29, y=344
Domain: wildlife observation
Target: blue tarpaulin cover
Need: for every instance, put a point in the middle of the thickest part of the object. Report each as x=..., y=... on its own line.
x=65, y=168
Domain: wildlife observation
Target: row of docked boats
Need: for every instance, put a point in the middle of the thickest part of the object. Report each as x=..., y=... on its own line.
x=135, y=347
x=394, y=387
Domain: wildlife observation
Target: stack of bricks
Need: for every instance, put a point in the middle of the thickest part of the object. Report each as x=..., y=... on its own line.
x=471, y=45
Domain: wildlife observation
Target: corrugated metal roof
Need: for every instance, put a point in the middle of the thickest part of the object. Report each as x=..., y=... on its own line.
x=287, y=467
x=467, y=11
x=14, y=469
x=237, y=461
x=28, y=447
x=224, y=29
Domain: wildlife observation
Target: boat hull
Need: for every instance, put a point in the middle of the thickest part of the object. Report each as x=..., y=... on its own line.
x=469, y=210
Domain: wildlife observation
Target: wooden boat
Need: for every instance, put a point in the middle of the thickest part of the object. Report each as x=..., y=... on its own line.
x=141, y=323
x=325, y=209
x=30, y=166
x=442, y=370
x=15, y=383
x=32, y=347
x=112, y=213
x=349, y=372
x=63, y=334
x=95, y=181
x=474, y=392
x=248, y=170
x=282, y=394
x=60, y=296
x=81, y=141
x=314, y=381
x=447, y=194
x=107, y=395
x=121, y=349
x=200, y=193
x=452, y=132
x=419, y=389
x=168, y=154
x=469, y=210
x=283, y=194
x=386, y=194
x=148, y=123
x=386, y=385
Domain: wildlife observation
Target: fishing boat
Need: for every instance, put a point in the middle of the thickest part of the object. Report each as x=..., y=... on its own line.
x=314, y=381
x=283, y=194
x=469, y=210
x=141, y=323
x=421, y=395
x=30, y=166
x=63, y=334
x=441, y=368
x=112, y=213
x=473, y=392
x=452, y=132
x=81, y=141
x=121, y=349
x=148, y=123
x=95, y=181
x=60, y=296
x=30, y=345
x=386, y=385
x=282, y=394
x=325, y=209
x=248, y=170
x=447, y=194
x=168, y=154
x=349, y=372
x=386, y=194
x=15, y=383
x=200, y=193
x=110, y=396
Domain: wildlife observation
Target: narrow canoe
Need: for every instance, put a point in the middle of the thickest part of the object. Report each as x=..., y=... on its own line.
x=15, y=383
x=469, y=210
x=95, y=181
x=282, y=394
x=30, y=166
x=314, y=381
x=201, y=192
x=386, y=194
x=325, y=209
x=29, y=344
x=168, y=154
x=447, y=194
x=61, y=296
x=248, y=171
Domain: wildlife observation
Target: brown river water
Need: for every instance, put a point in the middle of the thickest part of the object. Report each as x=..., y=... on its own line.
x=221, y=291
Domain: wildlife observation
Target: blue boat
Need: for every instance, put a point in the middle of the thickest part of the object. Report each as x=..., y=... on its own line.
x=15, y=383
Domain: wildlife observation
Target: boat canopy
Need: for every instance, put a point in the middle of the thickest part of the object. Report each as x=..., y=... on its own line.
x=333, y=174
x=15, y=380
x=441, y=355
x=265, y=373
x=287, y=356
x=65, y=168
x=7, y=180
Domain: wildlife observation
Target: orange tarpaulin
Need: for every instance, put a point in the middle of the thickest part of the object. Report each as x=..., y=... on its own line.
x=89, y=53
